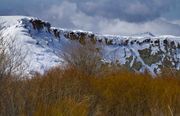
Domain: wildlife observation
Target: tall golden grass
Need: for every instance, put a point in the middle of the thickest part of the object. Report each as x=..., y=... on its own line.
x=70, y=92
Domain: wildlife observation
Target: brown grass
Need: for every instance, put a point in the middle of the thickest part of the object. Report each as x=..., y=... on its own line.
x=69, y=92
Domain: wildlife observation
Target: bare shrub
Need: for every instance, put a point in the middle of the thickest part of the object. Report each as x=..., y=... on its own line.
x=11, y=70
x=11, y=58
x=85, y=58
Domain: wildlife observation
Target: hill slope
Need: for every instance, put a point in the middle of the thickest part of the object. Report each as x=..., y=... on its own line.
x=43, y=44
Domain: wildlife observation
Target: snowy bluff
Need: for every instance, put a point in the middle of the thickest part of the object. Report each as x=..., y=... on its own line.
x=42, y=43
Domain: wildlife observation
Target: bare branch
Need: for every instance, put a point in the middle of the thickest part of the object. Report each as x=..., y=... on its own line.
x=86, y=57
x=11, y=58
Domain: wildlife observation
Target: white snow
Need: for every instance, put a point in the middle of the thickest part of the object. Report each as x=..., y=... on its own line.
x=42, y=48
x=39, y=58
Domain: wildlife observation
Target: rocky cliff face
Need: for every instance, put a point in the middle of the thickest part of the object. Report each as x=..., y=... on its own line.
x=138, y=52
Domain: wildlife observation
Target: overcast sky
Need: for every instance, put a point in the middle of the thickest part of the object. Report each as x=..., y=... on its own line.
x=102, y=16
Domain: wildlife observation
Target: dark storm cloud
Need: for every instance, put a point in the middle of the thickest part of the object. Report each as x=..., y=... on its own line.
x=128, y=10
x=25, y=7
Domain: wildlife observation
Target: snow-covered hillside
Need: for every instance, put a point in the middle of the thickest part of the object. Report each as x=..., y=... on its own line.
x=42, y=45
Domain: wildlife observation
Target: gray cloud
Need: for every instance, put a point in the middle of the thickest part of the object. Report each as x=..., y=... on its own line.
x=102, y=16
x=68, y=15
x=157, y=27
x=128, y=10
